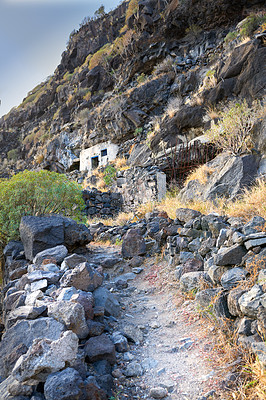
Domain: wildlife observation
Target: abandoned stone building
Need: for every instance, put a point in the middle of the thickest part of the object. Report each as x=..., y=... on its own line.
x=97, y=156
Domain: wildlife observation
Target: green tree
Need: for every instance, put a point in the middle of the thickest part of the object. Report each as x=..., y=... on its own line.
x=37, y=193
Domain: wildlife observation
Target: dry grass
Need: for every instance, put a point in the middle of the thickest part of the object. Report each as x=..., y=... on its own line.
x=173, y=106
x=121, y=219
x=201, y=174
x=251, y=203
x=120, y=163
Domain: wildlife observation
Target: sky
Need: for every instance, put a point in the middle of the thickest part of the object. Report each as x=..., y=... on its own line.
x=33, y=35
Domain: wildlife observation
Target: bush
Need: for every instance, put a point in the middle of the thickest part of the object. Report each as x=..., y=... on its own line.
x=37, y=193
x=12, y=155
x=109, y=175
x=234, y=129
x=101, y=56
x=251, y=23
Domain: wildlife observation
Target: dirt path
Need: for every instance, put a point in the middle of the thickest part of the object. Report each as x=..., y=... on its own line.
x=171, y=347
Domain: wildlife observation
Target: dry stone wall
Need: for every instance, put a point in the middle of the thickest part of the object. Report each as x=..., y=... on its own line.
x=141, y=185
x=102, y=204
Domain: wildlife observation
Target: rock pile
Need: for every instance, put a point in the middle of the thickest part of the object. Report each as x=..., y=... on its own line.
x=224, y=255
x=56, y=342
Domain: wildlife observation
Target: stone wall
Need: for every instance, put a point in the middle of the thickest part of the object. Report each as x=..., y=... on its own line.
x=141, y=185
x=102, y=204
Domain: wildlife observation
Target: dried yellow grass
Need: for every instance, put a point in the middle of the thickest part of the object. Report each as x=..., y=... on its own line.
x=251, y=203
x=201, y=174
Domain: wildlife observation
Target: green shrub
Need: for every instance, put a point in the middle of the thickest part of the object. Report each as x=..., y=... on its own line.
x=12, y=155
x=234, y=129
x=37, y=193
x=141, y=78
x=251, y=23
x=230, y=37
x=101, y=56
x=109, y=175
x=138, y=131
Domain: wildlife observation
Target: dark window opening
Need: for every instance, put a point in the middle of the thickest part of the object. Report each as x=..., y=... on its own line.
x=103, y=152
x=75, y=165
x=94, y=162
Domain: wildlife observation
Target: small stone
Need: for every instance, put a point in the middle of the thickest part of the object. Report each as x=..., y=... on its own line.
x=158, y=393
x=117, y=373
x=133, y=369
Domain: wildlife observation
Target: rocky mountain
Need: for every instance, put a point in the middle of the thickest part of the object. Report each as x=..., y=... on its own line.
x=145, y=76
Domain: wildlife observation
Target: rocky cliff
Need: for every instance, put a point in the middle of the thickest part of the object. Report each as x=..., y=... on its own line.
x=146, y=75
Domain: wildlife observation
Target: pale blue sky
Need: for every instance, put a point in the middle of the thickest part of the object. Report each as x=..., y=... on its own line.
x=33, y=35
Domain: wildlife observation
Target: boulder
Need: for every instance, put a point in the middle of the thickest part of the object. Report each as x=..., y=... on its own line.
x=133, y=369
x=65, y=385
x=24, y=312
x=95, y=328
x=83, y=277
x=46, y=356
x=230, y=255
x=133, y=244
x=57, y=253
x=230, y=175
x=260, y=350
x=86, y=300
x=15, y=342
x=133, y=333
x=158, y=392
x=93, y=391
x=70, y=314
x=100, y=348
x=232, y=277
x=233, y=302
x=250, y=301
x=41, y=233
x=192, y=265
x=191, y=280
x=215, y=272
x=72, y=261
x=186, y=214
x=254, y=225
x=255, y=239
x=205, y=297
x=104, y=298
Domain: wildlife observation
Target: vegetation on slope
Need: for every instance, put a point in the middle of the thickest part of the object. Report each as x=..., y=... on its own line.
x=37, y=193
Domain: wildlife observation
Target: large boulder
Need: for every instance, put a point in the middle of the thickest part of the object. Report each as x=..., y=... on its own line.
x=46, y=356
x=133, y=244
x=41, y=233
x=19, y=338
x=229, y=176
x=230, y=255
x=250, y=301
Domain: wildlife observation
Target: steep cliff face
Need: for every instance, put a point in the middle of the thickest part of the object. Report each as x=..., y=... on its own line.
x=140, y=73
